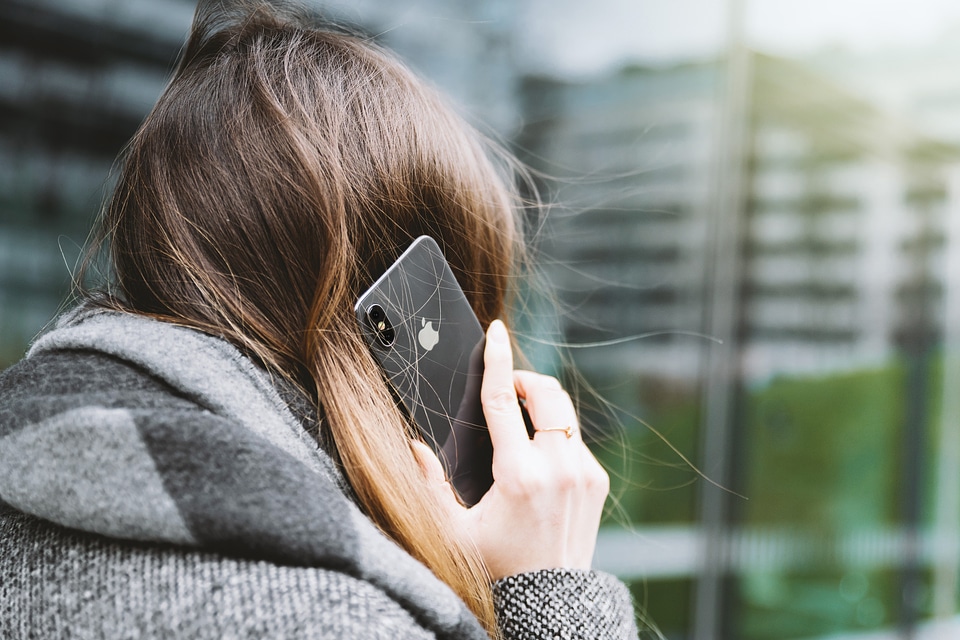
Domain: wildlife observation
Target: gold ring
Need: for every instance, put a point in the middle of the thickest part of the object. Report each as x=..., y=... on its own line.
x=568, y=430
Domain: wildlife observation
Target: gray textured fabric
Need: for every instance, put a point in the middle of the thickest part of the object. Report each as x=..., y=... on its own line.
x=193, y=364
x=90, y=492
x=70, y=585
x=153, y=483
x=566, y=605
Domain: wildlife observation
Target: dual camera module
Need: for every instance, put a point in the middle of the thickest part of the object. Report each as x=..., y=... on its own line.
x=381, y=325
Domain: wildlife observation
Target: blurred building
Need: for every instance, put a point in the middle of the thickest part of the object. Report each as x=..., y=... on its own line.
x=77, y=78
x=918, y=83
x=846, y=223
x=841, y=277
x=844, y=219
x=629, y=156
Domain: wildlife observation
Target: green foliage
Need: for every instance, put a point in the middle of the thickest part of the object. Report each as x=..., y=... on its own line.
x=822, y=452
x=653, y=427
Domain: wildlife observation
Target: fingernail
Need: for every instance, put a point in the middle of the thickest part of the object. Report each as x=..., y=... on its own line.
x=498, y=332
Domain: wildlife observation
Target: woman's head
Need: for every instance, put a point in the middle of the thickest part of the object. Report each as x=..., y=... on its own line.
x=283, y=169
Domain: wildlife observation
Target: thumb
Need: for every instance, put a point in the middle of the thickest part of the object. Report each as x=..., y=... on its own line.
x=436, y=478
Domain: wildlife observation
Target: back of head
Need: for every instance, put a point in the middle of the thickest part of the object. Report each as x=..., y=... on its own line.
x=284, y=168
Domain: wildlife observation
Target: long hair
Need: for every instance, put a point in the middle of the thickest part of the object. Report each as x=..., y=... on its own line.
x=284, y=168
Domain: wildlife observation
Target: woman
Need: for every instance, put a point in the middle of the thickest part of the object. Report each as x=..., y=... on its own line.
x=208, y=450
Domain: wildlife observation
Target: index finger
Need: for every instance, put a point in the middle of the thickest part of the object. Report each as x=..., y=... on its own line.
x=498, y=394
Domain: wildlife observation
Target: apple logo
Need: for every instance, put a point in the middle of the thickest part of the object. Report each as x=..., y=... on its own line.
x=428, y=336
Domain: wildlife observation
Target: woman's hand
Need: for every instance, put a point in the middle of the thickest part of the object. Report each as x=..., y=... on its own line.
x=543, y=510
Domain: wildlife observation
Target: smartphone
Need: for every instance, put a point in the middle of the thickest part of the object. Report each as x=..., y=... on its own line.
x=423, y=332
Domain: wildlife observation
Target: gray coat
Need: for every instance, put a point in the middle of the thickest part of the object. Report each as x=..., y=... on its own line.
x=154, y=482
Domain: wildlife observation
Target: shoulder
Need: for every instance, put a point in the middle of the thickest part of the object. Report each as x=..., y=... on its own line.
x=61, y=583
x=56, y=381
x=164, y=462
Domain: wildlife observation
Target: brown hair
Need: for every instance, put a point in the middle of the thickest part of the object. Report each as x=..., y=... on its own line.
x=283, y=169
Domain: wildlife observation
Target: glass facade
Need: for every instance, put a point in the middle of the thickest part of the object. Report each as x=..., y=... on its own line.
x=755, y=260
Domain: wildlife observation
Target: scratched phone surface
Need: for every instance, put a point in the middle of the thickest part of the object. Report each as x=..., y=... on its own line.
x=435, y=364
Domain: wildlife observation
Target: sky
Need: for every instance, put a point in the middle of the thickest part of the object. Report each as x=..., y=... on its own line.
x=573, y=37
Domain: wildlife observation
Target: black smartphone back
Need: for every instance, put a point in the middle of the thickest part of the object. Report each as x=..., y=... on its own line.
x=422, y=330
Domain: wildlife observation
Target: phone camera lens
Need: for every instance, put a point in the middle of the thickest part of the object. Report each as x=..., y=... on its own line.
x=381, y=325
